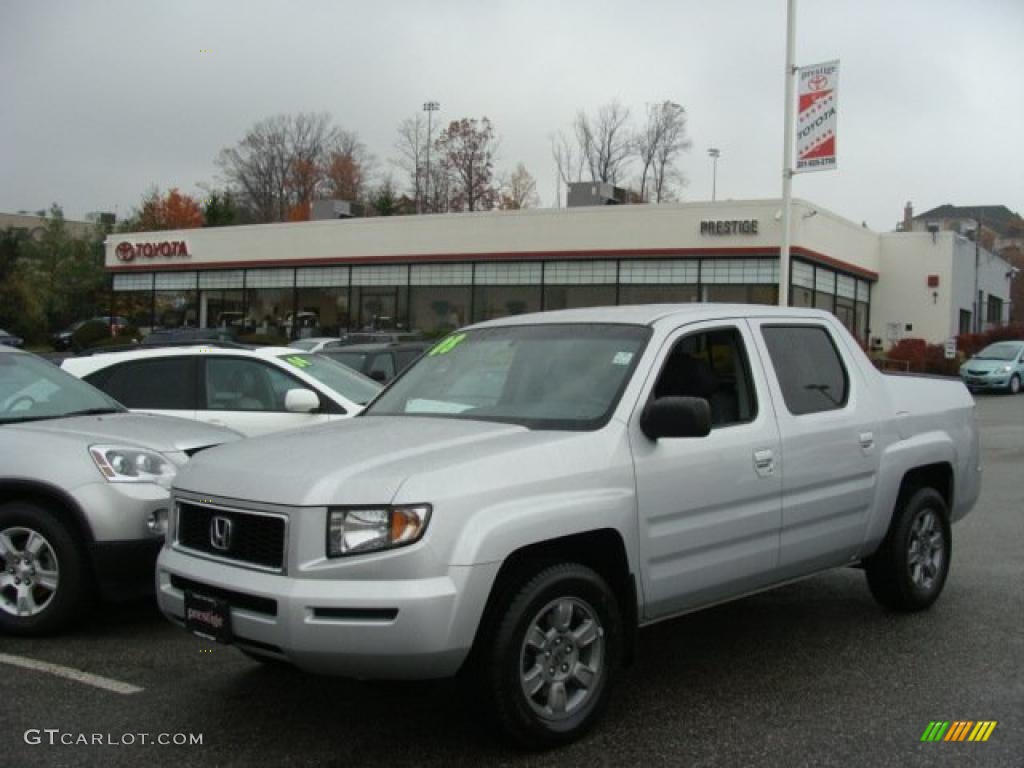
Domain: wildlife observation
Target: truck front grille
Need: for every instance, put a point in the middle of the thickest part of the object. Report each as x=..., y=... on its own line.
x=253, y=538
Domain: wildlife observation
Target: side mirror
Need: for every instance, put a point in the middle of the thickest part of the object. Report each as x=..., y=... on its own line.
x=676, y=417
x=301, y=400
x=379, y=375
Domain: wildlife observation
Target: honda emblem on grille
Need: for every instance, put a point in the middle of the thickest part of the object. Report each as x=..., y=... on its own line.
x=220, y=533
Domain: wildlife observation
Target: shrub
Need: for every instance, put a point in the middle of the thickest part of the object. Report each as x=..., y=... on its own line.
x=972, y=343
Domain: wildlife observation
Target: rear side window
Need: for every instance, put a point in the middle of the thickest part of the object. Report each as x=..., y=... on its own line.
x=165, y=384
x=808, y=367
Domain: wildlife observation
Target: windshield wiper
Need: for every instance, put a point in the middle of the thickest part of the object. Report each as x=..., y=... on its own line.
x=90, y=412
x=52, y=416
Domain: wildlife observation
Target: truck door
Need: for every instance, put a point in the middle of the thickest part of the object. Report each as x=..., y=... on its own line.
x=828, y=425
x=709, y=508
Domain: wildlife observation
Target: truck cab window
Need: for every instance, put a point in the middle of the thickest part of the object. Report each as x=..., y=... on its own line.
x=810, y=372
x=713, y=366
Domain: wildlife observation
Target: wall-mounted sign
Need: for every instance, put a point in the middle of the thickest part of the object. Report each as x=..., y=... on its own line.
x=126, y=251
x=728, y=227
x=817, y=114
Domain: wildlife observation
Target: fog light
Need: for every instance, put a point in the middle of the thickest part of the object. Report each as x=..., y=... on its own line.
x=157, y=522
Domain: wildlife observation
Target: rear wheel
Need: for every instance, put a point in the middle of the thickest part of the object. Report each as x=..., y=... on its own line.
x=547, y=667
x=909, y=570
x=44, y=579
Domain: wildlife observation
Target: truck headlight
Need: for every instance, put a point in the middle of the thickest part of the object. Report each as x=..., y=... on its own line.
x=120, y=464
x=355, y=530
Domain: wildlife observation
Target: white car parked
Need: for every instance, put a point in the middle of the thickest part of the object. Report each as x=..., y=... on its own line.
x=253, y=391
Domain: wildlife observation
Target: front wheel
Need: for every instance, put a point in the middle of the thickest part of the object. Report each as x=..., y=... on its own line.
x=44, y=578
x=909, y=570
x=549, y=664
x=1014, y=386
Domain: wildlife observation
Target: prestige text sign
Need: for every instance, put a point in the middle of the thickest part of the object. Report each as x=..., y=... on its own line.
x=728, y=227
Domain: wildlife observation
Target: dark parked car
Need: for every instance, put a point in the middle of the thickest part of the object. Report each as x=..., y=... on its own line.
x=381, y=362
x=9, y=339
x=63, y=340
x=179, y=336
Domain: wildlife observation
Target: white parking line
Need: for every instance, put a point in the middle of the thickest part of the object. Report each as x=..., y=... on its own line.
x=70, y=673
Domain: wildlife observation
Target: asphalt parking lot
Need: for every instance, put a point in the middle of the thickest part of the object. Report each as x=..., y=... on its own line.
x=812, y=674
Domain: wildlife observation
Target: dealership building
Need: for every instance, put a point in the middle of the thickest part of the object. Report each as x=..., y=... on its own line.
x=436, y=272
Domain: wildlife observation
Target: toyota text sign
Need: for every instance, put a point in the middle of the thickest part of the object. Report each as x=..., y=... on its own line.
x=816, y=120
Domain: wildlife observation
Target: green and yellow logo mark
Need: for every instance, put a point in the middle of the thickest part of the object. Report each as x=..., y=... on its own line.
x=447, y=345
x=298, y=362
x=959, y=730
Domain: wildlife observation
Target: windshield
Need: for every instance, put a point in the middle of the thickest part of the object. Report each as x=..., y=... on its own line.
x=346, y=382
x=31, y=388
x=539, y=376
x=354, y=360
x=1001, y=351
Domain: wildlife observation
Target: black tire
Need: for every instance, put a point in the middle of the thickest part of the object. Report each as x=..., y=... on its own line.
x=504, y=653
x=73, y=591
x=893, y=577
x=1014, y=386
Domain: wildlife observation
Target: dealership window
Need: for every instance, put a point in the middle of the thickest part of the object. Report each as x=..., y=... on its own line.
x=503, y=289
x=269, y=301
x=133, y=299
x=175, y=300
x=861, y=310
x=740, y=281
x=658, y=281
x=380, y=297
x=322, y=301
x=846, y=300
x=802, y=285
x=220, y=299
x=965, y=321
x=440, y=296
x=995, y=310
x=824, y=288
x=569, y=284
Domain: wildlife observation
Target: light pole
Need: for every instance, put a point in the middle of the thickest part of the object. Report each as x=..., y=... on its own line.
x=430, y=107
x=714, y=153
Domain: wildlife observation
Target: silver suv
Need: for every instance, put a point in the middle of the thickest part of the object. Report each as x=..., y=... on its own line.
x=84, y=493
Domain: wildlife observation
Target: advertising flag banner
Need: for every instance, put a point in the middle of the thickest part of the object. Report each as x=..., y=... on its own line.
x=816, y=117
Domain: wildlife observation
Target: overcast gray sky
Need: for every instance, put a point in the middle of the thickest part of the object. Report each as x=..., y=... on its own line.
x=102, y=100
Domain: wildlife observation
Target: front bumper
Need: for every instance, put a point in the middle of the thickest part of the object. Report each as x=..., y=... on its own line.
x=398, y=629
x=979, y=383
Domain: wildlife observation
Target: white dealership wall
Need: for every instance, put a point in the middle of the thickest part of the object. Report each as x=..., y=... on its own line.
x=606, y=229
x=903, y=305
x=900, y=262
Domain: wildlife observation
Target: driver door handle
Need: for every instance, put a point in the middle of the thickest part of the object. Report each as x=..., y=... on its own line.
x=764, y=462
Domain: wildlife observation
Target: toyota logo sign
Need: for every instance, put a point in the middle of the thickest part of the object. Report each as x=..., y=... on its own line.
x=127, y=251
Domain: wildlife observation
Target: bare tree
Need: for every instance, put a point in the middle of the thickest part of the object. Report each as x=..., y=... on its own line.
x=604, y=141
x=284, y=162
x=568, y=160
x=412, y=149
x=466, y=148
x=349, y=167
x=672, y=141
x=518, y=190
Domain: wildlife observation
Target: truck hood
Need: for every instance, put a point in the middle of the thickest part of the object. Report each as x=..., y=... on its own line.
x=359, y=461
x=161, y=433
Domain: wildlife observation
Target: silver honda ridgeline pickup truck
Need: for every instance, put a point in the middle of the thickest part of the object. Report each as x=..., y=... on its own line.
x=535, y=488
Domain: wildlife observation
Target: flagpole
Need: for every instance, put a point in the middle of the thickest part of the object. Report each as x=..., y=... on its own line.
x=787, y=154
